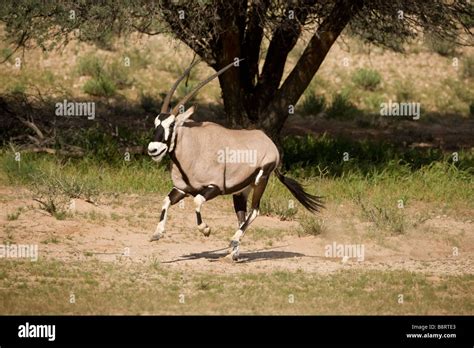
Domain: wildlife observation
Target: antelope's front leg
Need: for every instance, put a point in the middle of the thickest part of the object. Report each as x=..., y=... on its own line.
x=172, y=198
x=206, y=194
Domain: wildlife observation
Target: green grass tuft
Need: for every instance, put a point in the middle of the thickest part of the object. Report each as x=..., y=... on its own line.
x=100, y=87
x=368, y=79
x=342, y=108
x=313, y=104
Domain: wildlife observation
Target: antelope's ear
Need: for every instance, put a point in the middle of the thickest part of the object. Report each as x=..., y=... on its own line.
x=184, y=116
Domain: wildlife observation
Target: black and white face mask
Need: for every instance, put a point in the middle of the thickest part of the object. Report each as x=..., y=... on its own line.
x=165, y=133
x=163, y=138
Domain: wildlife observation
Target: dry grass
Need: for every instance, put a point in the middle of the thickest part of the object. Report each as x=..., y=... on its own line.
x=420, y=74
x=45, y=287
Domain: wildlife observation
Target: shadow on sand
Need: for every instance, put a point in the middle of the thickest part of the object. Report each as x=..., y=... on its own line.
x=245, y=257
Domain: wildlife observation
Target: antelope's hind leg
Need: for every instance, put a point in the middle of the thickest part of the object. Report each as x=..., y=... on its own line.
x=206, y=194
x=258, y=190
x=173, y=197
x=240, y=206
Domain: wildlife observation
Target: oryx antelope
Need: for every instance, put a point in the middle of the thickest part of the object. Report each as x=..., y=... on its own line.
x=209, y=160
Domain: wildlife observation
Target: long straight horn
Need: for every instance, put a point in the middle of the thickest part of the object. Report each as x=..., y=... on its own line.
x=202, y=84
x=166, y=102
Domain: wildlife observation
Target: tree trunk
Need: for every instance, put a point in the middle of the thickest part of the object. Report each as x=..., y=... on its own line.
x=236, y=116
x=253, y=99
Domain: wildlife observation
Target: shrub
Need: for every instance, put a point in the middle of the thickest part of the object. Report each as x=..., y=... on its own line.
x=100, y=87
x=149, y=104
x=342, y=108
x=105, y=79
x=441, y=46
x=312, y=226
x=6, y=54
x=468, y=67
x=368, y=79
x=278, y=207
x=18, y=88
x=404, y=90
x=372, y=102
x=118, y=73
x=139, y=59
x=313, y=104
x=47, y=191
x=90, y=66
x=15, y=215
x=384, y=217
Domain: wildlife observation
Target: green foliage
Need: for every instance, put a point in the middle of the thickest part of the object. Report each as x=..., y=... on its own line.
x=342, y=108
x=313, y=104
x=6, y=54
x=90, y=65
x=372, y=103
x=89, y=176
x=105, y=78
x=440, y=45
x=404, y=90
x=19, y=88
x=118, y=73
x=100, y=87
x=185, y=88
x=15, y=215
x=368, y=79
x=316, y=156
x=310, y=225
x=48, y=192
x=139, y=59
x=384, y=216
x=149, y=103
x=468, y=67
x=277, y=206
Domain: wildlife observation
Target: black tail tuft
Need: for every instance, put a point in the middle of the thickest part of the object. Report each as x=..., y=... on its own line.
x=310, y=202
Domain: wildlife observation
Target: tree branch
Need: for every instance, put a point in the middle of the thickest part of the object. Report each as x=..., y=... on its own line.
x=252, y=42
x=283, y=40
x=310, y=61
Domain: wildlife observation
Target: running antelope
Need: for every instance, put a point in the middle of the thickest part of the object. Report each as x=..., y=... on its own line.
x=209, y=160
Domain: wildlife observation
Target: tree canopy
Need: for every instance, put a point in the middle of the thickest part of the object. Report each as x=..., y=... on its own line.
x=263, y=32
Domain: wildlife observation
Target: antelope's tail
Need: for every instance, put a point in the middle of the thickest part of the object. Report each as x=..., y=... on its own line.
x=309, y=201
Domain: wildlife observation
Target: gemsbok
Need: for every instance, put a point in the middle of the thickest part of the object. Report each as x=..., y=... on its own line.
x=209, y=160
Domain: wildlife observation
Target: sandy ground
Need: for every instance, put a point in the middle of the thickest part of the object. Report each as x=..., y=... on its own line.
x=119, y=231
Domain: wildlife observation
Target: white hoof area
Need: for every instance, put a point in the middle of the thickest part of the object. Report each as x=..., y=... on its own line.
x=235, y=250
x=156, y=236
x=231, y=258
x=204, y=229
x=207, y=232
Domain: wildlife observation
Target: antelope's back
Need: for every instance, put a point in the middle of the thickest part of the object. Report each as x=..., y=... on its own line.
x=211, y=154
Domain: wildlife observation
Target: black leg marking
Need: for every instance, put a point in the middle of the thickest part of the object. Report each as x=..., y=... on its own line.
x=162, y=216
x=258, y=191
x=256, y=197
x=174, y=197
x=240, y=206
x=198, y=218
x=207, y=193
x=210, y=192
